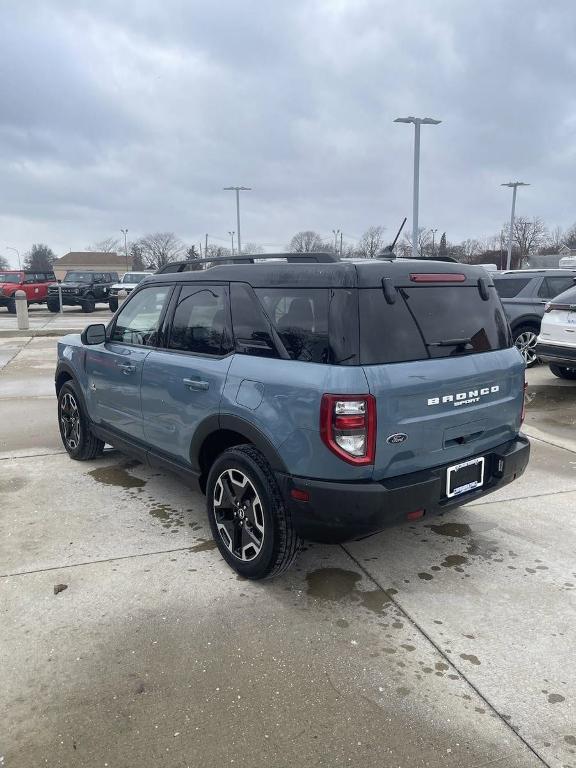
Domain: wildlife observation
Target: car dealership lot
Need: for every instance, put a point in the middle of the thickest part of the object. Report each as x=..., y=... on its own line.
x=445, y=643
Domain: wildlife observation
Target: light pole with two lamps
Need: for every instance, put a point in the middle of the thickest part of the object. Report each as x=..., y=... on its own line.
x=238, y=190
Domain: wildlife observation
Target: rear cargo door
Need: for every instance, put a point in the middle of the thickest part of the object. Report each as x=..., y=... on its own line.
x=447, y=382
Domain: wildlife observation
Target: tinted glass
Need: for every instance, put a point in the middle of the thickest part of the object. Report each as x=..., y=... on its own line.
x=199, y=323
x=139, y=320
x=509, y=287
x=300, y=317
x=552, y=286
x=78, y=277
x=429, y=322
x=251, y=329
x=6, y=277
x=568, y=297
x=133, y=277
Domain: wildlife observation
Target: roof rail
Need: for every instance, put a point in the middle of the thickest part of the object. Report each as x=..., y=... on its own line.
x=312, y=257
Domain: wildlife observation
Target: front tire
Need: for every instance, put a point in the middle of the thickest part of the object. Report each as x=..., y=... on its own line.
x=113, y=304
x=249, y=522
x=525, y=338
x=53, y=305
x=74, y=425
x=563, y=372
x=88, y=304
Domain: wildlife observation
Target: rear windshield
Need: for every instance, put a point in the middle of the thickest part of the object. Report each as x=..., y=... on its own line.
x=133, y=277
x=568, y=297
x=509, y=287
x=9, y=278
x=430, y=322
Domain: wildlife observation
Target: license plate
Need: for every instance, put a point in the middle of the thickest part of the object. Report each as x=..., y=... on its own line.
x=465, y=477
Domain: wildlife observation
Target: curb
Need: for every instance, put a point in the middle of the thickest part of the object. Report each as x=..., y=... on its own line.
x=32, y=332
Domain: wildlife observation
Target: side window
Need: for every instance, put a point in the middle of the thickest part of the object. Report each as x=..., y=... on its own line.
x=199, y=323
x=300, y=317
x=251, y=330
x=552, y=286
x=98, y=277
x=509, y=287
x=139, y=321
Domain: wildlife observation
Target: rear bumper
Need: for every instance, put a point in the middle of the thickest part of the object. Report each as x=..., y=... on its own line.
x=338, y=512
x=556, y=354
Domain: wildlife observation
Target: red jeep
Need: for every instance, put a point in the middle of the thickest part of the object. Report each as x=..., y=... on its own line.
x=34, y=284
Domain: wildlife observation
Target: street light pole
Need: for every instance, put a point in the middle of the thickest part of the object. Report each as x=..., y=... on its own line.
x=238, y=190
x=17, y=252
x=232, y=238
x=417, y=121
x=125, y=233
x=514, y=185
x=433, y=241
x=335, y=232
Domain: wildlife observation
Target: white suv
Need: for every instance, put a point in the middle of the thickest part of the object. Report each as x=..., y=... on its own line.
x=556, y=343
x=128, y=282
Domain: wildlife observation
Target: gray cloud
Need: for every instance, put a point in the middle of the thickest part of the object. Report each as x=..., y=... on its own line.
x=138, y=114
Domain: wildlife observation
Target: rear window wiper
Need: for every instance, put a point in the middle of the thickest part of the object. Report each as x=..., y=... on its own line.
x=450, y=343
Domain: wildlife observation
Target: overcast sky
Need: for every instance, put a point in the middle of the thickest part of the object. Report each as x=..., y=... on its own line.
x=136, y=113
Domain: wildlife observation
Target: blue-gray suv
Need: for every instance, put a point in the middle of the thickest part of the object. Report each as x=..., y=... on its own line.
x=309, y=398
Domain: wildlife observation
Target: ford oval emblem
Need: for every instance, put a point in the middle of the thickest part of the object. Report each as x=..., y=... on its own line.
x=398, y=437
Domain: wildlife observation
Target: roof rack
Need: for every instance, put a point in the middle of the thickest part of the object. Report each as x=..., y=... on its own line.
x=312, y=257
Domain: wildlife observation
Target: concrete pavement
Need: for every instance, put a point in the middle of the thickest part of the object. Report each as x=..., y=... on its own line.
x=446, y=643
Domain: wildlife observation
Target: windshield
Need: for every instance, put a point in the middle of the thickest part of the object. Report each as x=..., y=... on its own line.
x=133, y=277
x=78, y=277
x=10, y=277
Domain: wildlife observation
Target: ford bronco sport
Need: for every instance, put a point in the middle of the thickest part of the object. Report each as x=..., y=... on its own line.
x=34, y=284
x=82, y=289
x=310, y=399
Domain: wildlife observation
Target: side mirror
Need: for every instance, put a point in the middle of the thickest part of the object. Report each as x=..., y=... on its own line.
x=94, y=334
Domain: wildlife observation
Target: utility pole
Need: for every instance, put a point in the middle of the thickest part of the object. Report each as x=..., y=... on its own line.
x=232, y=238
x=514, y=185
x=238, y=190
x=417, y=121
x=335, y=232
x=206, y=247
x=125, y=233
x=340, y=244
x=17, y=252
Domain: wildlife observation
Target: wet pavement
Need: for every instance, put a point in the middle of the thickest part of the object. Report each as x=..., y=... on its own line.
x=125, y=641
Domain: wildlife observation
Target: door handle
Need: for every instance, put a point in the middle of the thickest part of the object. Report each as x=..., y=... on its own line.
x=196, y=384
x=127, y=368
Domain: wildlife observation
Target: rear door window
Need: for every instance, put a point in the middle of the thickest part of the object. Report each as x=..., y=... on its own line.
x=429, y=322
x=510, y=287
x=252, y=332
x=200, y=321
x=552, y=286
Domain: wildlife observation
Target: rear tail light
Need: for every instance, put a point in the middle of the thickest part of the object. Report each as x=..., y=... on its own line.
x=348, y=427
x=523, y=414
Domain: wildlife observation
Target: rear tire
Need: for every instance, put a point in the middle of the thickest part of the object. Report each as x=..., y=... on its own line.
x=525, y=342
x=74, y=425
x=88, y=304
x=563, y=372
x=53, y=305
x=249, y=522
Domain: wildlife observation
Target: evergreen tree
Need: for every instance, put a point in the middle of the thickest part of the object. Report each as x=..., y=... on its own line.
x=443, y=250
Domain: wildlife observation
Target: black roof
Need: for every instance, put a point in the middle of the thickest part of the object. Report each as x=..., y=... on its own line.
x=332, y=273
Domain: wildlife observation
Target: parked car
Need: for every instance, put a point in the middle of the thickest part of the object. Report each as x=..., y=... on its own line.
x=82, y=289
x=524, y=294
x=557, y=341
x=128, y=282
x=321, y=401
x=34, y=284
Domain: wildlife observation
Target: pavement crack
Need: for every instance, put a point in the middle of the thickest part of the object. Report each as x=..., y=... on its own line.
x=95, y=562
x=419, y=628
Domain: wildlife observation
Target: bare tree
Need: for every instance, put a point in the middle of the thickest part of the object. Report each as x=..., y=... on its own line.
x=424, y=243
x=39, y=258
x=217, y=252
x=109, y=245
x=569, y=239
x=4, y=263
x=528, y=235
x=252, y=248
x=552, y=242
x=371, y=243
x=305, y=242
x=136, y=257
x=470, y=249
x=160, y=248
